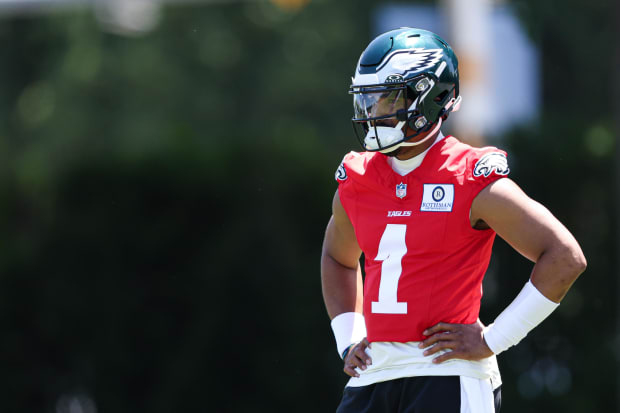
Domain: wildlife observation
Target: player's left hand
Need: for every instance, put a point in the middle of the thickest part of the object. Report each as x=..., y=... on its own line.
x=465, y=342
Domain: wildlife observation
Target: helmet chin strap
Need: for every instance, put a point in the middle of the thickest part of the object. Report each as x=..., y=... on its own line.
x=431, y=134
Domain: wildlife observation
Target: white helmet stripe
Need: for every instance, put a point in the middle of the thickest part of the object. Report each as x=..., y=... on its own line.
x=440, y=69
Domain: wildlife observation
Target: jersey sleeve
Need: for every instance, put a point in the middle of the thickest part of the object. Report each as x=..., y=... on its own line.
x=352, y=163
x=341, y=172
x=346, y=173
x=487, y=165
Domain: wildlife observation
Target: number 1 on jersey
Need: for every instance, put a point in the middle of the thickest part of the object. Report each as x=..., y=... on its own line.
x=392, y=249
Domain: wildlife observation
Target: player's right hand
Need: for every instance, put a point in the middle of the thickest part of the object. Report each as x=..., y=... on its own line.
x=357, y=358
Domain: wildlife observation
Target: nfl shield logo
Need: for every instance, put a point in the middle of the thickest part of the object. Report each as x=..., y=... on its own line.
x=401, y=190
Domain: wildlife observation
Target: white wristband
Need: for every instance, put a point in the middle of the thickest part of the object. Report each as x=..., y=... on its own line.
x=526, y=311
x=348, y=328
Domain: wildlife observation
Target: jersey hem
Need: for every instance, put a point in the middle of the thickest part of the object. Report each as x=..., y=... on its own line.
x=401, y=371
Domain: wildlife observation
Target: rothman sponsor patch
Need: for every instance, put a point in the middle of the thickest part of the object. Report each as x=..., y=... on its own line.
x=437, y=198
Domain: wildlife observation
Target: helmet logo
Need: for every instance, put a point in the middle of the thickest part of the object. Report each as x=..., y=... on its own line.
x=411, y=60
x=394, y=78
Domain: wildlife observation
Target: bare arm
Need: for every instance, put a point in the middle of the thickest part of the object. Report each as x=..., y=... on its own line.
x=341, y=279
x=535, y=233
x=341, y=274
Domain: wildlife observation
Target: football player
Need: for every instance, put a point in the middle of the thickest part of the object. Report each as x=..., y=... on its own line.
x=424, y=209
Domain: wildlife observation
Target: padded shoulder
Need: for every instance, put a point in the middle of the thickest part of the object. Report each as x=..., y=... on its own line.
x=476, y=164
x=488, y=163
x=354, y=164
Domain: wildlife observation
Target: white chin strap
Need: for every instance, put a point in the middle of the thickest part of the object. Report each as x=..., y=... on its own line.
x=391, y=135
x=430, y=134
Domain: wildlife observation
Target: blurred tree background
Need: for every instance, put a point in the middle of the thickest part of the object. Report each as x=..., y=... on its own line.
x=163, y=199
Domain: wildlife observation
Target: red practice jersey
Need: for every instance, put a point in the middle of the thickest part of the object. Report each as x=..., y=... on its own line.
x=424, y=263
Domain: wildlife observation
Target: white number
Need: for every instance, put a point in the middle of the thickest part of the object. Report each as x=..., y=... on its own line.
x=392, y=249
